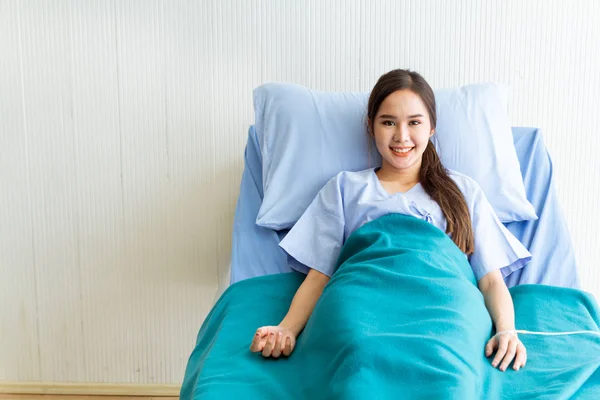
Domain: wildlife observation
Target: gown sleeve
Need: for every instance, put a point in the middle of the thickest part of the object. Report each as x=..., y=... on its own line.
x=495, y=247
x=315, y=241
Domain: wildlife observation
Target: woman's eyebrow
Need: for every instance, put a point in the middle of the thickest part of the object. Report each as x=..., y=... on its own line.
x=389, y=116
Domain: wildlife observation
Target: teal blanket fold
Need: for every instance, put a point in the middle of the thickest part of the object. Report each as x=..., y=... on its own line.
x=402, y=317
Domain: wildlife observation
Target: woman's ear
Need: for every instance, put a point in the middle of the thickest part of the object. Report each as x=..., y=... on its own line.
x=369, y=130
x=432, y=133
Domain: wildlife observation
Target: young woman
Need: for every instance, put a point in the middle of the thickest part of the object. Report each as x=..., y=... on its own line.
x=412, y=181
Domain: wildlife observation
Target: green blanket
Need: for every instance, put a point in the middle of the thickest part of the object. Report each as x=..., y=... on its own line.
x=402, y=318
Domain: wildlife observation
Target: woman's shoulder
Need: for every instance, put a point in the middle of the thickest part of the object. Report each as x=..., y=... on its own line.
x=353, y=177
x=349, y=183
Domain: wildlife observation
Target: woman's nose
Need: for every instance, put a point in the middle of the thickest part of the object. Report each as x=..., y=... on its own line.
x=401, y=135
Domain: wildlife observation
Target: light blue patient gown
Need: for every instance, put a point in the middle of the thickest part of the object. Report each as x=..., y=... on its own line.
x=351, y=199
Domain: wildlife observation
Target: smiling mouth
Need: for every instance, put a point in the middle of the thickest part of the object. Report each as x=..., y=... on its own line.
x=401, y=150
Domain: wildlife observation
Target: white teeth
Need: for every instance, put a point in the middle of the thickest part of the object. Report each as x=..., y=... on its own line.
x=406, y=150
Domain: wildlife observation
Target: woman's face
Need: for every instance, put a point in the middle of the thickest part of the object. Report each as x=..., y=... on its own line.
x=402, y=129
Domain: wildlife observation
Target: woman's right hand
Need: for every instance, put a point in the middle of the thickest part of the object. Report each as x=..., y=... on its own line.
x=273, y=341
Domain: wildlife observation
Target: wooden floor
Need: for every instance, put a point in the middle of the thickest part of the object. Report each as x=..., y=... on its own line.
x=76, y=397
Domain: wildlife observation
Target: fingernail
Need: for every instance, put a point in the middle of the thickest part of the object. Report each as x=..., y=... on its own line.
x=502, y=369
x=494, y=365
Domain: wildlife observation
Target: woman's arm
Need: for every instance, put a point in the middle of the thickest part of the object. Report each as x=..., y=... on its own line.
x=304, y=301
x=498, y=301
x=500, y=306
x=273, y=341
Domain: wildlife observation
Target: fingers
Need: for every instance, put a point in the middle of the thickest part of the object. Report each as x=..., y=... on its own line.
x=502, y=349
x=255, y=346
x=510, y=354
x=277, y=348
x=272, y=342
x=521, y=357
x=509, y=348
x=288, y=347
x=258, y=342
x=269, y=345
x=490, y=346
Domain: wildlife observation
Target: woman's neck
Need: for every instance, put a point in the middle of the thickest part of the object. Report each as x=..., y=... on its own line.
x=404, y=176
x=398, y=180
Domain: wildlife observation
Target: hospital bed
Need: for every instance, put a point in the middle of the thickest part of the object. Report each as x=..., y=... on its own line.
x=546, y=293
x=547, y=238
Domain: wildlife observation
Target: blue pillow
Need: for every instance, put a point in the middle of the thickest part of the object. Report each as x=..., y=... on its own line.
x=308, y=136
x=474, y=137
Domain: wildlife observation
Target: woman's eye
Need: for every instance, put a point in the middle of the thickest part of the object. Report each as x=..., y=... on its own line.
x=388, y=123
x=414, y=122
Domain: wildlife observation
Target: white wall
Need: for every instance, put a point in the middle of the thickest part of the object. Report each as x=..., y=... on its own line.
x=122, y=129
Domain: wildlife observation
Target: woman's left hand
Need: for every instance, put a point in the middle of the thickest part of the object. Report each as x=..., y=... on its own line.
x=509, y=346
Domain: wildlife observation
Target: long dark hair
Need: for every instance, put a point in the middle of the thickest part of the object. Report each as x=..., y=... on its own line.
x=432, y=176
